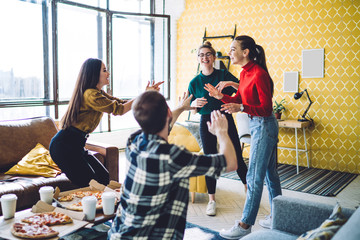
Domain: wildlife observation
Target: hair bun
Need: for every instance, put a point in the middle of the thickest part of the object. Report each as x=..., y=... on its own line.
x=207, y=43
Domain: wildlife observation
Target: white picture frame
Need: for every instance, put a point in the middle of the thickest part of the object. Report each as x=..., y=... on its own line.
x=291, y=81
x=313, y=63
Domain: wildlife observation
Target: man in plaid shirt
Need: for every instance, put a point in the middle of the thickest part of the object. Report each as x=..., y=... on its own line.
x=156, y=189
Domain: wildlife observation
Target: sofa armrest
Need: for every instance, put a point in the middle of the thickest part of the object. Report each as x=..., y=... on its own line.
x=111, y=157
x=298, y=216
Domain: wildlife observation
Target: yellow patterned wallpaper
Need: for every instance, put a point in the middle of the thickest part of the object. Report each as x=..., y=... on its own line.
x=284, y=28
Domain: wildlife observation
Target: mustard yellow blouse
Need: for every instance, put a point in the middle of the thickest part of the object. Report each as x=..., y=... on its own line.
x=95, y=103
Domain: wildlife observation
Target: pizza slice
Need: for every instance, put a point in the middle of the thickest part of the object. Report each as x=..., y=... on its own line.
x=81, y=194
x=48, y=218
x=66, y=198
x=33, y=231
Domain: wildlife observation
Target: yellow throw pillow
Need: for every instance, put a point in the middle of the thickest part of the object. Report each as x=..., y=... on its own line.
x=328, y=228
x=37, y=162
x=179, y=135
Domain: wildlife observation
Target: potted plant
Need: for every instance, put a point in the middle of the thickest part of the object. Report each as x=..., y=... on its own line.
x=278, y=108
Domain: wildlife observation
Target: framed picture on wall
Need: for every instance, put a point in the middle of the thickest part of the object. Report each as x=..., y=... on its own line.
x=313, y=63
x=291, y=81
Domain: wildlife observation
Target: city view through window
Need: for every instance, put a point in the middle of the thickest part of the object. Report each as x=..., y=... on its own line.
x=137, y=54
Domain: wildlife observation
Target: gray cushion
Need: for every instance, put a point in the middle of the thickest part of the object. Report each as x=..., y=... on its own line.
x=298, y=216
x=269, y=234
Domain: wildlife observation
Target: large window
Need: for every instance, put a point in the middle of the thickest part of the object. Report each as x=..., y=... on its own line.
x=21, y=51
x=81, y=35
x=48, y=40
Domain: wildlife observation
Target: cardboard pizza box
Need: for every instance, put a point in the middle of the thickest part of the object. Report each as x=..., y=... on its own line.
x=39, y=207
x=93, y=186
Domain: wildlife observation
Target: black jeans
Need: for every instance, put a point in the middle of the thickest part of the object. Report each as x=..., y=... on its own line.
x=209, y=143
x=67, y=151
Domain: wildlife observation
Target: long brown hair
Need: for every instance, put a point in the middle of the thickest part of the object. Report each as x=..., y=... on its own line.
x=256, y=53
x=89, y=76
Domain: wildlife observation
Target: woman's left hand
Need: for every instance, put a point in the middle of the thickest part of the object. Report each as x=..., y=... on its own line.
x=224, y=84
x=155, y=86
x=231, y=107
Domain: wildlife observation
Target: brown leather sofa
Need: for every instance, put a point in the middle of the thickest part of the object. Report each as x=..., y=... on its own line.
x=18, y=137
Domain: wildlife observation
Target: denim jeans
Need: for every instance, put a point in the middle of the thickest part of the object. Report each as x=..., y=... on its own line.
x=262, y=166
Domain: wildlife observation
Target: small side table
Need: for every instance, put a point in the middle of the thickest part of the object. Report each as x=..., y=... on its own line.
x=296, y=125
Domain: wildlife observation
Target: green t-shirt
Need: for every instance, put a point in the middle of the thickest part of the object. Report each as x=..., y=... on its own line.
x=196, y=88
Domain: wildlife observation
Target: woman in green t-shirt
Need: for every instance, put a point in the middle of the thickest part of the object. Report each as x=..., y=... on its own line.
x=205, y=105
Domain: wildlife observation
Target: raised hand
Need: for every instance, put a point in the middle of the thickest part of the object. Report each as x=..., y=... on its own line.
x=213, y=92
x=154, y=87
x=231, y=107
x=199, y=102
x=184, y=101
x=223, y=84
x=218, y=124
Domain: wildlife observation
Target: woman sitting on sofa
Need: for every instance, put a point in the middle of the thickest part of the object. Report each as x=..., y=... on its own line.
x=86, y=107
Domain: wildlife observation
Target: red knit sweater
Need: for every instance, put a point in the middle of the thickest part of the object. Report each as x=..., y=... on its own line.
x=254, y=91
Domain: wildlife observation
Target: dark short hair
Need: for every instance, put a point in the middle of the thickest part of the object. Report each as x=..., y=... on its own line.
x=150, y=111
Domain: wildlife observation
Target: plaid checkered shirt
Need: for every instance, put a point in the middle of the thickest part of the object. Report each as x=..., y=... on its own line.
x=156, y=189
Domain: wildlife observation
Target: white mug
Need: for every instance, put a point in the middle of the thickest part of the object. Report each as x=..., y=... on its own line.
x=8, y=205
x=89, y=207
x=108, y=202
x=46, y=194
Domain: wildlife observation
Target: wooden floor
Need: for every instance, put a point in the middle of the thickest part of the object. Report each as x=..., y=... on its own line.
x=230, y=198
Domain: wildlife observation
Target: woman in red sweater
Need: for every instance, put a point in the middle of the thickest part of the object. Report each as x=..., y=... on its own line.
x=254, y=96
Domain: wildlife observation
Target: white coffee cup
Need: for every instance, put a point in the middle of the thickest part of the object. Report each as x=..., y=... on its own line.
x=89, y=207
x=108, y=202
x=8, y=205
x=46, y=194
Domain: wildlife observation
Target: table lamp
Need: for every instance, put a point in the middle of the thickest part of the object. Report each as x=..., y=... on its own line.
x=297, y=96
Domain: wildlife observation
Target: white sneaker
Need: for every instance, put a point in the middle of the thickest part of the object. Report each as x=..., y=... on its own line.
x=211, y=208
x=266, y=223
x=235, y=232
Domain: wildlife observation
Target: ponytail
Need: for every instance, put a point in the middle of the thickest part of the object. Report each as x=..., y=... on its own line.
x=256, y=53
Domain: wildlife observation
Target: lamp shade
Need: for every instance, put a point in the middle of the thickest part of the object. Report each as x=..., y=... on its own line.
x=298, y=95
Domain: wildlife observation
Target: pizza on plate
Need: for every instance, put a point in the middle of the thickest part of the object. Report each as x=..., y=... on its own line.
x=37, y=225
x=32, y=231
x=48, y=218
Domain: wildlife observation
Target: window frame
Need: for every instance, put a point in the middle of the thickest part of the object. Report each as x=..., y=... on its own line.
x=51, y=6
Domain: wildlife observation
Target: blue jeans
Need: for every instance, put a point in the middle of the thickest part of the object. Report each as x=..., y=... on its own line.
x=262, y=166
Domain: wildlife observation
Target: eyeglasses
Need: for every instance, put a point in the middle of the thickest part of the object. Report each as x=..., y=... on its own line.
x=208, y=54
